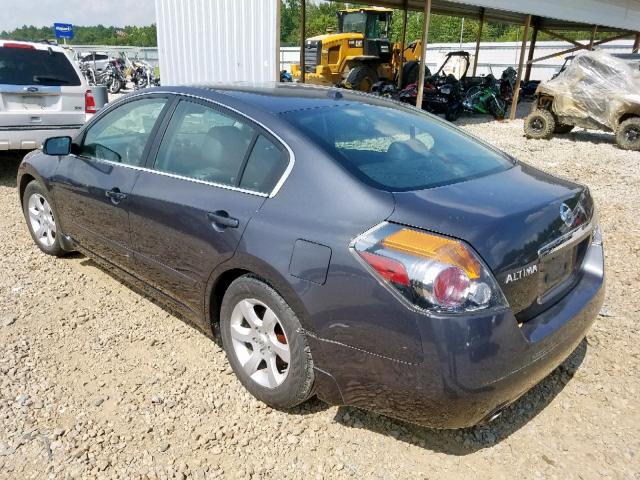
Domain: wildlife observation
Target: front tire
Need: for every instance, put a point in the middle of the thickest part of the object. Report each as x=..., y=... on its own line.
x=628, y=134
x=539, y=125
x=362, y=78
x=114, y=86
x=262, y=338
x=42, y=219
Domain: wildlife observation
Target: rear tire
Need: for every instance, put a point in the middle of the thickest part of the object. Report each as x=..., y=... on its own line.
x=539, y=125
x=411, y=71
x=260, y=332
x=628, y=134
x=42, y=219
x=453, y=112
x=497, y=108
x=362, y=78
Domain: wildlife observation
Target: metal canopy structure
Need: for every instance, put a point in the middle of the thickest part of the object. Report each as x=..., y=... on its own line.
x=575, y=15
x=549, y=16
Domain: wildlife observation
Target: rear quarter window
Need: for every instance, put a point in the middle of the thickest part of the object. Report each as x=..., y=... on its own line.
x=265, y=166
x=29, y=66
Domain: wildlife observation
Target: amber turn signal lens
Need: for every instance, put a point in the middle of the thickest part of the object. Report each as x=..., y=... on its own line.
x=434, y=247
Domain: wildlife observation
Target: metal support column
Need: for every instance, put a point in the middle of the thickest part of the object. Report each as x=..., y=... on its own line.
x=277, y=52
x=532, y=48
x=523, y=48
x=475, y=59
x=593, y=36
x=423, y=52
x=303, y=36
x=402, y=43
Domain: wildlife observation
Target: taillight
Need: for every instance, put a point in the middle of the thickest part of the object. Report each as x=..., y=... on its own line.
x=89, y=102
x=18, y=45
x=432, y=272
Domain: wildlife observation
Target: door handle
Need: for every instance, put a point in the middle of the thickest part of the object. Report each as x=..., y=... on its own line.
x=115, y=195
x=221, y=219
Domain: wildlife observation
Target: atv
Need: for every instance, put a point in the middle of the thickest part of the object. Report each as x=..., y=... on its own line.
x=596, y=91
x=443, y=92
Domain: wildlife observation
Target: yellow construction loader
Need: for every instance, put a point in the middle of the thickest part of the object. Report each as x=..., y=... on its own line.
x=360, y=53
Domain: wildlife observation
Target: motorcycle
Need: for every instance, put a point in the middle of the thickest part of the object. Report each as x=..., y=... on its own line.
x=486, y=98
x=141, y=73
x=441, y=95
x=111, y=76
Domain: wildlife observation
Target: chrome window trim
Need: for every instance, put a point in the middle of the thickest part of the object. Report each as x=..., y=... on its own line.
x=279, y=183
x=172, y=175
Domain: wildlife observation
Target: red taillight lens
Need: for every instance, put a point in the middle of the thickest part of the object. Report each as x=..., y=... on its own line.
x=451, y=286
x=18, y=45
x=89, y=102
x=389, y=269
x=431, y=271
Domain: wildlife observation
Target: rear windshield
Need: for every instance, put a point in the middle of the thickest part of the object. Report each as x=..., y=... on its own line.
x=396, y=149
x=28, y=66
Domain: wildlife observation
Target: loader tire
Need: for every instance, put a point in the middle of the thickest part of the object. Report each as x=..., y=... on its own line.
x=362, y=78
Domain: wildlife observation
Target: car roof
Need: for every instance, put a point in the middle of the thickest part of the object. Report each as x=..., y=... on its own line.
x=277, y=97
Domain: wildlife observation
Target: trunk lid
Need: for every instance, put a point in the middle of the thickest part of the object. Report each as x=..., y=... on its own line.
x=531, y=228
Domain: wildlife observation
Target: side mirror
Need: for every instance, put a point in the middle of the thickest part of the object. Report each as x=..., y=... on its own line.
x=57, y=146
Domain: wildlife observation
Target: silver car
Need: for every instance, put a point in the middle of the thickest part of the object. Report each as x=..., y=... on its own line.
x=42, y=94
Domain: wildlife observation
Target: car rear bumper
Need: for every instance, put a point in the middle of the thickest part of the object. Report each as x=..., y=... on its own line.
x=30, y=137
x=472, y=367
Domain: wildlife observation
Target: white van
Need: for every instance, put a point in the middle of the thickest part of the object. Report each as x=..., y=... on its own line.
x=42, y=94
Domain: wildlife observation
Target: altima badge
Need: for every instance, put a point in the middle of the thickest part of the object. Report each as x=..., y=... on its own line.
x=520, y=274
x=566, y=214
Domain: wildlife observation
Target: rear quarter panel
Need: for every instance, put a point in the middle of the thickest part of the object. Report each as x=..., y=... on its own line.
x=321, y=203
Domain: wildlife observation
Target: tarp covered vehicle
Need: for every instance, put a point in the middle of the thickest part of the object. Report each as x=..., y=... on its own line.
x=596, y=91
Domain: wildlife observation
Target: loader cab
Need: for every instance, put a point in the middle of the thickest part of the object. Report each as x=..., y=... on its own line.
x=375, y=26
x=373, y=23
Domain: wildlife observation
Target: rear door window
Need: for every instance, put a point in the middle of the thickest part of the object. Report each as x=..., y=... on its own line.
x=29, y=66
x=204, y=144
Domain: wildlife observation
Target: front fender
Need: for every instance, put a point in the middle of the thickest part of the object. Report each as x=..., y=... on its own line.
x=36, y=165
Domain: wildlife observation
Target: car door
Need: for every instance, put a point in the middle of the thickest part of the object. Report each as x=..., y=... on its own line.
x=91, y=186
x=189, y=212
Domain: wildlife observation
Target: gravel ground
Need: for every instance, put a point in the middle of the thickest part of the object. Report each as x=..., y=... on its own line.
x=99, y=382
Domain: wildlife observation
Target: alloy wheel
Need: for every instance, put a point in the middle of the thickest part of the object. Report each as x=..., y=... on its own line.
x=260, y=343
x=42, y=220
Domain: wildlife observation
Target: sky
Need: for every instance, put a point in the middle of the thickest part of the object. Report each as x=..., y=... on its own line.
x=15, y=13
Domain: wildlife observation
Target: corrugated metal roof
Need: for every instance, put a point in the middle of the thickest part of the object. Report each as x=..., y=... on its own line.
x=609, y=15
x=221, y=40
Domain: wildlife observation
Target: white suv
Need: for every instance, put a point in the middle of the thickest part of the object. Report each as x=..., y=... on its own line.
x=42, y=94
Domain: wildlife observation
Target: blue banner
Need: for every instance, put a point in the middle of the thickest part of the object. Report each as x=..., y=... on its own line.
x=63, y=30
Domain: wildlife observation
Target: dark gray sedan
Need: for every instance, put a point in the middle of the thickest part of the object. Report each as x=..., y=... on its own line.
x=338, y=244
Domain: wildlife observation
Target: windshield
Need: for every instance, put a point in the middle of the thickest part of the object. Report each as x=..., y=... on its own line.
x=372, y=25
x=29, y=66
x=354, y=22
x=395, y=149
